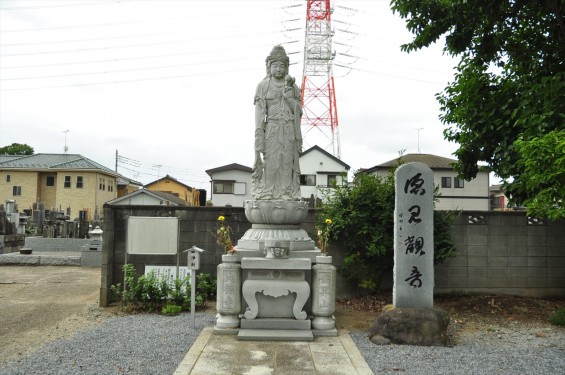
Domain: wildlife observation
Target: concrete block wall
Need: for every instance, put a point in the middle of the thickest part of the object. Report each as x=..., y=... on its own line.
x=498, y=252
x=11, y=243
x=197, y=225
x=505, y=253
x=56, y=244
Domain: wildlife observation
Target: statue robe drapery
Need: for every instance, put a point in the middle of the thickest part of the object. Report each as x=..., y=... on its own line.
x=278, y=137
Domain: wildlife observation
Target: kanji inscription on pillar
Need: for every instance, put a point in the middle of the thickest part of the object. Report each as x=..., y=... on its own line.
x=413, y=232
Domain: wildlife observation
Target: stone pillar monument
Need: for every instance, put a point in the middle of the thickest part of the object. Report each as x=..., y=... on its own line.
x=413, y=320
x=414, y=237
x=277, y=256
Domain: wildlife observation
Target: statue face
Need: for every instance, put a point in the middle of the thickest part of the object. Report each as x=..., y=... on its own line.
x=278, y=69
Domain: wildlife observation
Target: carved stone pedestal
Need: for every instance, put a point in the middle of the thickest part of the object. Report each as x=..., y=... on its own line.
x=228, y=298
x=279, y=281
x=323, y=296
x=275, y=292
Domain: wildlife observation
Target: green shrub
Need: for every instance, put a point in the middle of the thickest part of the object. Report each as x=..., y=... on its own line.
x=150, y=294
x=362, y=215
x=171, y=309
x=206, y=286
x=558, y=317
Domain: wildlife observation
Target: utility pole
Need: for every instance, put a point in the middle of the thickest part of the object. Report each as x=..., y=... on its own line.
x=66, y=133
x=418, y=129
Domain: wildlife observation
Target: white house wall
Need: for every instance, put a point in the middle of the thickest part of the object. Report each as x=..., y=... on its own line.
x=474, y=195
x=310, y=165
x=242, y=179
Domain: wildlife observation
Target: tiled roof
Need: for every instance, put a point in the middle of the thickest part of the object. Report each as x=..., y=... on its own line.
x=122, y=180
x=432, y=161
x=167, y=177
x=157, y=194
x=229, y=167
x=4, y=158
x=51, y=161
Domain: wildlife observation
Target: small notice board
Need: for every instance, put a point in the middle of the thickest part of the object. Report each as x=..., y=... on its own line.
x=152, y=235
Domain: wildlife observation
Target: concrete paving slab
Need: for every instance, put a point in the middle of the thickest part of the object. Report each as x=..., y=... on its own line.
x=221, y=354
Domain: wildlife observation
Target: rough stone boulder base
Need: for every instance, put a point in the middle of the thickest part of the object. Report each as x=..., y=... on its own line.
x=411, y=326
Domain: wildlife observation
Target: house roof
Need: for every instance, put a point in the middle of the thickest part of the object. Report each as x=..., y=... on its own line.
x=122, y=180
x=52, y=162
x=317, y=148
x=167, y=177
x=156, y=194
x=229, y=167
x=432, y=161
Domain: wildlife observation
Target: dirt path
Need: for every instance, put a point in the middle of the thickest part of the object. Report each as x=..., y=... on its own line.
x=41, y=304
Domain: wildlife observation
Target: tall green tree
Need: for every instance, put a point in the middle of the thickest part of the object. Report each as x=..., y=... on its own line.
x=16, y=149
x=508, y=94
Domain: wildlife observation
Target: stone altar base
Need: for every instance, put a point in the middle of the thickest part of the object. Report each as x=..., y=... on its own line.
x=284, y=286
x=276, y=292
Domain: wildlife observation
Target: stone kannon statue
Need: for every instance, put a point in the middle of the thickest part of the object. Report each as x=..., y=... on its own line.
x=278, y=138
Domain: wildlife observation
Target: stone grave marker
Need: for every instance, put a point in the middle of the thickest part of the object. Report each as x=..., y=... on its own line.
x=414, y=241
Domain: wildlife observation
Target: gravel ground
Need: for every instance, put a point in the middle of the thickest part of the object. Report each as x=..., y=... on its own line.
x=136, y=344
x=154, y=344
x=513, y=350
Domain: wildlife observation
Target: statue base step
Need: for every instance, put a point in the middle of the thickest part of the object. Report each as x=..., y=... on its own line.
x=275, y=335
x=226, y=331
x=278, y=324
x=324, y=332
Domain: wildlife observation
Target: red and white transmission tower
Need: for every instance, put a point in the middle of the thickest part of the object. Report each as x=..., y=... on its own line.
x=318, y=90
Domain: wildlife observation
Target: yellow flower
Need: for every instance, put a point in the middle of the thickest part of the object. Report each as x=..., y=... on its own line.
x=221, y=218
x=323, y=241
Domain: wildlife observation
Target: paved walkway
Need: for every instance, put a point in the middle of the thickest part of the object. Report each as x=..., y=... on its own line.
x=224, y=354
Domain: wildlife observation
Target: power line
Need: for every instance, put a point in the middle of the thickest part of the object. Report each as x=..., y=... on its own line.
x=128, y=81
x=81, y=4
x=389, y=75
x=123, y=70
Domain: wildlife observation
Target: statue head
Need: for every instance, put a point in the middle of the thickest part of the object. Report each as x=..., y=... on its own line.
x=277, y=54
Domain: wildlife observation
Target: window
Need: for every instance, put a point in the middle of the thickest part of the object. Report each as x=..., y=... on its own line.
x=239, y=188
x=459, y=182
x=67, y=181
x=50, y=181
x=224, y=187
x=8, y=177
x=101, y=184
x=79, y=182
x=308, y=179
x=17, y=190
x=446, y=182
x=332, y=180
